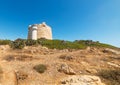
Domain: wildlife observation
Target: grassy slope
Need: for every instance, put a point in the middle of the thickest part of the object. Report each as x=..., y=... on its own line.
x=58, y=44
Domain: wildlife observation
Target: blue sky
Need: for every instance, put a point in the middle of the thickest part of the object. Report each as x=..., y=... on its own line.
x=97, y=20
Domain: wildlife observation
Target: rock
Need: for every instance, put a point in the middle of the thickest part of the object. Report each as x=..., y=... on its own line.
x=84, y=63
x=66, y=57
x=82, y=80
x=66, y=69
x=108, y=50
x=21, y=76
x=91, y=70
x=64, y=50
x=88, y=48
x=45, y=48
x=114, y=65
x=9, y=78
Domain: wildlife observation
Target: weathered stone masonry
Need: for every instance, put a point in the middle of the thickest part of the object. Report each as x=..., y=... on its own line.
x=37, y=31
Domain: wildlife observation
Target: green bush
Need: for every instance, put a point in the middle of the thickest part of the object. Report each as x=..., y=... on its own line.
x=30, y=42
x=55, y=44
x=18, y=44
x=5, y=42
x=94, y=44
x=40, y=68
x=60, y=44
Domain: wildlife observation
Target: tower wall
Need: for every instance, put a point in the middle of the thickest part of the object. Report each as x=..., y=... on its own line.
x=44, y=31
x=32, y=32
x=34, y=35
x=38, y=31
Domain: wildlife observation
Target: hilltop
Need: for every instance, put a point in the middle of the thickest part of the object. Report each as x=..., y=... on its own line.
x=58, y=62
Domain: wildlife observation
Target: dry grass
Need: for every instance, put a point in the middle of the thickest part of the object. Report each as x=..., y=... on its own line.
x=112, y=77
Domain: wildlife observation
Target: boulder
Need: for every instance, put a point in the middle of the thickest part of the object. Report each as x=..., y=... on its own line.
x=66, y=57
x=82, y=80
x=108, y=50
x=66, y=69
x=91, y=71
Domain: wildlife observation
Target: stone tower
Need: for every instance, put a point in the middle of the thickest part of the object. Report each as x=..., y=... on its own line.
x=38, y=31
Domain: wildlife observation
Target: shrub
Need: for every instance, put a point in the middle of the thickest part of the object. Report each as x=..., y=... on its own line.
x=18, y=44
x=57, y=44
x=60, y=44
x=112, y=76
x=94, y=44
x=5, y=42
x=30, y=42
x=41, y=40
x=40, y=68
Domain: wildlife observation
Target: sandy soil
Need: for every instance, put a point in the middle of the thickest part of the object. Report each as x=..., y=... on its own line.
x=87, y=61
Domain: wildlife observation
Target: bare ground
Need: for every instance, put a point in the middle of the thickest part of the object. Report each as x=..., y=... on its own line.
x=83, y=62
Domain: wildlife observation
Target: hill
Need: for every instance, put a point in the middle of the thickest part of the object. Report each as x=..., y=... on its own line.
x=58, y=62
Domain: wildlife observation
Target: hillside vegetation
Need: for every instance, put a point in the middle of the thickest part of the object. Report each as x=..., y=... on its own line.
x=54, y=44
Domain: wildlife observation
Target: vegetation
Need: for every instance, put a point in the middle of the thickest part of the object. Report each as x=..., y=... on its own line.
x=18, y=44
x=112, y=76
x=57, y=44
x=94, y=44
x=30, y=42
x=5, y=42
x=61, y=44
x=40, y=68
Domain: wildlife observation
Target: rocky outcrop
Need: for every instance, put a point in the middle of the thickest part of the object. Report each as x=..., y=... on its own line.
x=82, y=80
x=108, y=50
x=113, y=64
x=66, y=69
